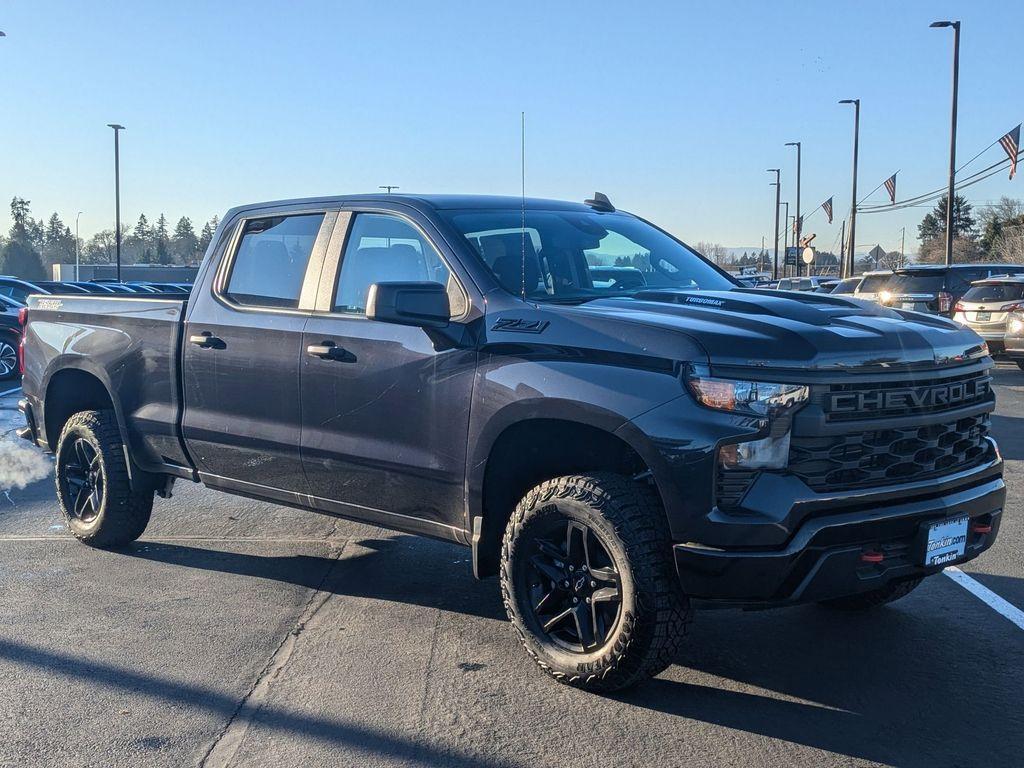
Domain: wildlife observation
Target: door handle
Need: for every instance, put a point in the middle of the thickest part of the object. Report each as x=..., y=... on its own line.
x=328, y=350
x=206, y=340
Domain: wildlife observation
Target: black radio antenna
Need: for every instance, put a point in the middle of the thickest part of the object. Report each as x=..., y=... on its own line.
x=522, y=174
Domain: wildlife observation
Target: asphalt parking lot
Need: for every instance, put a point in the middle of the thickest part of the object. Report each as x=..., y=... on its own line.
x=238, y=633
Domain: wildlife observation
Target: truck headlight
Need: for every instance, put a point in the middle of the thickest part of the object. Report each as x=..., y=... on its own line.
x=1016, y=326
x=753, y=398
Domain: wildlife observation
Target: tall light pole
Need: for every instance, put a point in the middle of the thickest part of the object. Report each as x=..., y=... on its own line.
x=952, y=135
x=799, y=223
x=847, y=266
x=778, y=194
x=117, y=195
x=77, y=248
x=785, y=234
x=388, y=187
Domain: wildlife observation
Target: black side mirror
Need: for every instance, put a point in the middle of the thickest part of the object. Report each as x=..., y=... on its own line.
x=424, y=305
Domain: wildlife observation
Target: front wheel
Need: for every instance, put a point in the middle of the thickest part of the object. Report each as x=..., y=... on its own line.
x=589, y=584
x=96, y=497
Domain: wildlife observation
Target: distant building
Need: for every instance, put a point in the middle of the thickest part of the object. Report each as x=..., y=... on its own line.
x=153, y=273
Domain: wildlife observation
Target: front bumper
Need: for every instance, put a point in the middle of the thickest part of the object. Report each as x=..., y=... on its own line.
x=823, y=558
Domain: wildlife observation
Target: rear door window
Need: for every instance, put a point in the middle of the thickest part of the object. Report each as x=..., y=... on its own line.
x=270, y=263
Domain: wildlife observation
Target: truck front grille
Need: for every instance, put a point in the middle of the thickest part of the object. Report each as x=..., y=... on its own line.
x=875, y=458
x=887, y=456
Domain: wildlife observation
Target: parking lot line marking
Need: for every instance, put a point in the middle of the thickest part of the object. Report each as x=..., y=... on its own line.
x=986, y=595
x=10, y=391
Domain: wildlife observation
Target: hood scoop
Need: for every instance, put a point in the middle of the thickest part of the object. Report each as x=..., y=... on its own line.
x=811, y=309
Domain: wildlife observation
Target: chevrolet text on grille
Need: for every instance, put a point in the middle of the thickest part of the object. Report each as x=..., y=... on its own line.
x=916, y=397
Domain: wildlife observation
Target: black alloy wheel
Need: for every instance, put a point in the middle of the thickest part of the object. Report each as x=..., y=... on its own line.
x=84, y=480
x=574, y=586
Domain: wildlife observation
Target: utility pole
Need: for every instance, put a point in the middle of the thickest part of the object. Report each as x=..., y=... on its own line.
x=952, y=136
x=77, y=248
x=853, y=202
x=903, y=242
x=842, y=252
x=388, y=187
x=117, y=195
x=778, y=193
x=799, y=223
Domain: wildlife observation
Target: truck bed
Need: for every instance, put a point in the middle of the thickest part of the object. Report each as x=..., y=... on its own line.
x=132, y=345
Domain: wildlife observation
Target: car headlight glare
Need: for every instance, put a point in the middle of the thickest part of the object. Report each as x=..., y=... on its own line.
x=1016, y=326
x=753, y=398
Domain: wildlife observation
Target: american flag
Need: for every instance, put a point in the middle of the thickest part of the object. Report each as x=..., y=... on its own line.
x=890, y=186
x=827, y=205
x=1011, y=143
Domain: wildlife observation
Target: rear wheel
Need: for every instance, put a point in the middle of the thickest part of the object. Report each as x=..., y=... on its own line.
x=1020, y=364
x=589, y=584
x=877, y=597
x=95, y=493
x=8, y=360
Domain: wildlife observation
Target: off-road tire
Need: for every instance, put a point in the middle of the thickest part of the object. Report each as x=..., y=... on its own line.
x=630, y=521
x=877, y=597
x=123, y=512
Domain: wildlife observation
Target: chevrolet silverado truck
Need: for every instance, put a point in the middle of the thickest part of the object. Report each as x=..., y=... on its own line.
x=618, y=451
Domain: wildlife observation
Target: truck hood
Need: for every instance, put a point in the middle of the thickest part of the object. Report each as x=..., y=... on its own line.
x=791, y=330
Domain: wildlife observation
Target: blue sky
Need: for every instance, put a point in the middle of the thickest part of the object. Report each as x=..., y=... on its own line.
x=673, y=109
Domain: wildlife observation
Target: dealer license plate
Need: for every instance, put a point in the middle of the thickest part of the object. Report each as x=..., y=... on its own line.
x=947, y=541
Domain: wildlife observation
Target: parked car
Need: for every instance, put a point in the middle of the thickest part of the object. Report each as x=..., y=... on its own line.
x=617, y=278
x=872, y=284
x=10, y=338
x=18, y=289
x=986, y=306
x=937, y=288
x=438, y=365
x=846, y=287
x=827, y=286
x=800, y=283
x=1013, y=340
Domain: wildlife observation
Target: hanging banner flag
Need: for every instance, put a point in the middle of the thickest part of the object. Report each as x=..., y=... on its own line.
x=890, y=187
x=827, y=205
x=1011, y=143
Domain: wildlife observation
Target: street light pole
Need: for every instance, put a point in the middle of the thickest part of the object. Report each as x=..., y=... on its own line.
x=785, y=236
x=799, y=223
x=952, y=136
x=77, y=248
x=117, y=195
x=778, y=193
x=847, y=266
x=388, y=187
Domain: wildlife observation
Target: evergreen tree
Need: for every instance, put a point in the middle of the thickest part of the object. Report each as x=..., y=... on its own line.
x=933, y=225
x=184, y=242
x=19, y=259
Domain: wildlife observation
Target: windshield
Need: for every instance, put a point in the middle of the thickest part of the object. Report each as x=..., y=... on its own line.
x=995, y=293
x=580, y=255
x=917, y=282
x=873, y=283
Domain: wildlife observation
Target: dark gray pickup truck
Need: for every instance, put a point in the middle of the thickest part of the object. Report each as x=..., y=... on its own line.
x=619, y=445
